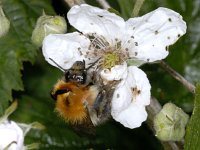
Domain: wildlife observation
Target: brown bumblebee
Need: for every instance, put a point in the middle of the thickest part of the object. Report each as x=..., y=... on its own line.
x=79, y=102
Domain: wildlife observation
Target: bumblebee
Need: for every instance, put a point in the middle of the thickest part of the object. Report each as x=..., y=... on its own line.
x=82, y=104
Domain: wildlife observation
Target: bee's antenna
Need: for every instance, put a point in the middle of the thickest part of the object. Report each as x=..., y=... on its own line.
x=93, y=63
x=57, y=65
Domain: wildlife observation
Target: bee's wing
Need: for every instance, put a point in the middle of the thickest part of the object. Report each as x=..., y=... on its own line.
x=100, y=111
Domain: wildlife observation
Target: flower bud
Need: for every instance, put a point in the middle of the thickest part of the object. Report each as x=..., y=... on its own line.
x=170, y=123
x=4, y=23
x=48, y=25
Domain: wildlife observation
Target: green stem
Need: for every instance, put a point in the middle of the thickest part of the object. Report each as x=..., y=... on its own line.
x=104, y=4
x=9, y=111
x=137, y=7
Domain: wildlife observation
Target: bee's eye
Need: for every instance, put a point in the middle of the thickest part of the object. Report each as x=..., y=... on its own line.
x=67, y=76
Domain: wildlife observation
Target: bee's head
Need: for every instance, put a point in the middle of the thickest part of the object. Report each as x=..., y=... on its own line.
x=79, y=65
x=77, y=73
x=77, y=76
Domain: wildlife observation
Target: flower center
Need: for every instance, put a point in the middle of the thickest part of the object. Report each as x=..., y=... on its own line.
x=110, y=59
x=110, y=55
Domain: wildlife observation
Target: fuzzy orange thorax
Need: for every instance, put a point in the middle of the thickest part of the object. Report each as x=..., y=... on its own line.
x=71, y=106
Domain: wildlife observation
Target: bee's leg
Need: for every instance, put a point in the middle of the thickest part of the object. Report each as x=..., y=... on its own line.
x=58, y=92
x=92, y=64
x=99, y=102
x=102, y=106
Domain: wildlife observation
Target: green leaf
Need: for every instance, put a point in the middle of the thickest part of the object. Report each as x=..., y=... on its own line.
x=192, y=139
x=16, y=46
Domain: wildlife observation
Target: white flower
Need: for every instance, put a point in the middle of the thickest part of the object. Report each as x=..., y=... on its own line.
x=111, y=40
x=11, y=136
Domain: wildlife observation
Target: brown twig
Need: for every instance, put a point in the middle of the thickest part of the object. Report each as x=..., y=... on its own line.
x=177, y=76
x=104, y=4
x=137, y=7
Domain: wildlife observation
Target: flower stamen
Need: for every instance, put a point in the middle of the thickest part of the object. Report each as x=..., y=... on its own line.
x=110, y=59
x=111, y=55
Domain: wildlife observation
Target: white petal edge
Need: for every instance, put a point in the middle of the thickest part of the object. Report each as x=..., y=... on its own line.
x=132, y=117
x=124, y=103
x=115, y=73
x=9, y=132
x=89, y=19
x=64, y=49
x=153, y=33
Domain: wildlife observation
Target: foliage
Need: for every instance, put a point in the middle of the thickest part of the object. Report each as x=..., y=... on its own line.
x=17, y=55
x=16, y=46
x=192, y=139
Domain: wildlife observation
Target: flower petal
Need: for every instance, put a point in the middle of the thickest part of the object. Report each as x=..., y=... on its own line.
x=89, y=19
x=151, y=34
x=139, y=84
x=130, y=98
x=64, y=49
x=121, y=98
x=132, y=117
x=115, y=73
x=11, y=132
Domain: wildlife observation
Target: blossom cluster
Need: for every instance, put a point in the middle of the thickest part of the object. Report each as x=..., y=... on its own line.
x=112, y=42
